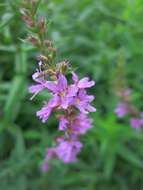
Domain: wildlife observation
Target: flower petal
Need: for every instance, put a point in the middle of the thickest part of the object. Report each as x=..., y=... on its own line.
x=36, y=77
x=52, y=86
x=85, y=83
x=53, y=102
x=68, y=150
x=64, y=102
x=62, y=83
x=74, y=77
x=72, y=90
x=135, y=122
x=44, y=113
x=63, y=123
x=91, y=108
x=36, y=88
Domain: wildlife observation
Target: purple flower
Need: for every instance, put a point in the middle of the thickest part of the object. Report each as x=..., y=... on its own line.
x=35, y=89
x=124, y=93
x=81, y=124
x=82, y=83
x=135, y=122
x=63, y=123
x=82, y=102
x=63, y=92
x=45, y=166
x=141, y=120
x=68, y=150
x=45, y=112
x=51, y=152
x=121, y=109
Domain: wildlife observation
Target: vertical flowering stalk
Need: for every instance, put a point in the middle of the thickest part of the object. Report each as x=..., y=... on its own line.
x=69, y=100
x=125, y=105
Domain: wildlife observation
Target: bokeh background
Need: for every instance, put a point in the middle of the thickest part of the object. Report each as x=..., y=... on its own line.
x=94, y=35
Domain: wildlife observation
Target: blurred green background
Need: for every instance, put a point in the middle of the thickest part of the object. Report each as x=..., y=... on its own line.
x=92, y=35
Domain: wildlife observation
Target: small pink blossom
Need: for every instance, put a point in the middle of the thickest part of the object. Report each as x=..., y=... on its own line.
x=79, y=125
x=122, y=109
x=64, y=92
x=82, y=83
x=68, y=150
x=41, y=84
x=124, y=93
x=137, y=122
x=51, y=152
x=82, y=102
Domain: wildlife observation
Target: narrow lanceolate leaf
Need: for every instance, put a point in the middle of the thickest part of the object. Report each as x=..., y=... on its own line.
x=131, y=157
x=20, y=61
x=6, y=19
x=16, y=94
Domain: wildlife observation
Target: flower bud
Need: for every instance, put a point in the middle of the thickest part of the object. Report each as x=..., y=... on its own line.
x=34, y=41
x=42, y=25
x=28, y=20
x=51, y=49
x=48, y=43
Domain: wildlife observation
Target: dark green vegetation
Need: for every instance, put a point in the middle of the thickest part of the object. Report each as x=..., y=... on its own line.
x=93, y=35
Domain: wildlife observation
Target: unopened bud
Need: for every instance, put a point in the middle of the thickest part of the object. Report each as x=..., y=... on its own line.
x=51, y=49
x=48, y=43
x=42, y=58
x=28, y=20
x=42, y=25
x=63, y=66
x=33, y=40
x=33, y=2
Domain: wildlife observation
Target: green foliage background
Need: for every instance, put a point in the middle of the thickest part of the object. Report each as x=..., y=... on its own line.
x=93, y=35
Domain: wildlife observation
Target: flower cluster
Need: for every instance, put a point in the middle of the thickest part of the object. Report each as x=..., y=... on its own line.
x=69, y=98
x=125, y=107
x=72, y=103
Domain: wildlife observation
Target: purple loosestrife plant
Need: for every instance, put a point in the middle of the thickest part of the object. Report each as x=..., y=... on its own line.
x=69, y=100
x=125, y=105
